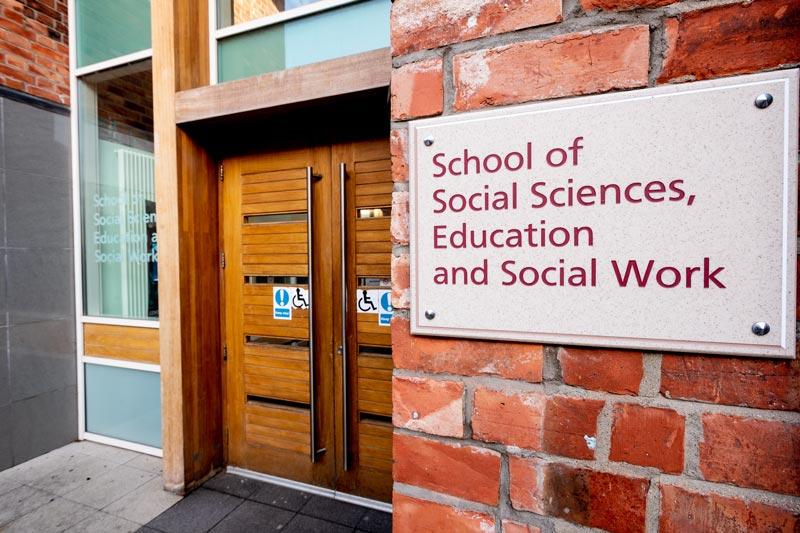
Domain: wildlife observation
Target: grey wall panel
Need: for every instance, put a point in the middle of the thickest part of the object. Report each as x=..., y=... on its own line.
x=38, y=392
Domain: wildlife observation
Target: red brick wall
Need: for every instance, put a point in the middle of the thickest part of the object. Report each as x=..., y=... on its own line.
x=495, y=436
x=34, y=48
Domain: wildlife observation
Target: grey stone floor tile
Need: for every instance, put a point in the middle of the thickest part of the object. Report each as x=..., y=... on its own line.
x=7, y=485
x=109, y=453
x=307, y=524
x=282, y=497
x=100, y=522
x=254, y=517
x=375, y=522
x=197, y=512
x=20, y=501
x=148, y=463
x=232, y=484
x=333, y=510
x=56, y=516
x=74, y=474
x=109, y=487
x=145, y=503
x=43, y=465
x=145, y=529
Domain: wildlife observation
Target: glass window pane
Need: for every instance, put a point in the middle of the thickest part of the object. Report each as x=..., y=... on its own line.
x=120, y=247
x=108, y=29
x=237, y=11
x=327, y=35
x=124, y=404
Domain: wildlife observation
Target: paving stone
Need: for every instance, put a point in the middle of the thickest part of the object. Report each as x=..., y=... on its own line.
x=71, y=475
x=334, y=510
x=307, y=524
x=282, y=497
x=109, y=487
x=145, y=503
x=46, y=464
x=148, y=463
x=254, y=516
x=232, y=484
x=56, y=516
x=197, y=512
x=103, y=451
x=7, y=485
x=375, y=522
x=20, y=501
x=100, y=522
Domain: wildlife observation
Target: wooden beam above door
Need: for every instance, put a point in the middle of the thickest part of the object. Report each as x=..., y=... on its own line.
x=351, y=74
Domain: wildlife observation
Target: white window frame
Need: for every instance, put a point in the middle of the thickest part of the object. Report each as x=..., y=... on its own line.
x=215, y=34
x=75, y=74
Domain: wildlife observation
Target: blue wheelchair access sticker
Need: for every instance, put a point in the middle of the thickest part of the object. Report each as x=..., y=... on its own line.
x=386, y=311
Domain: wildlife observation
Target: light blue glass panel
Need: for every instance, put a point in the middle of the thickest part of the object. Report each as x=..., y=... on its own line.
x=124, y=404
x=348, y=30
x=337, y=33
x=111, y=28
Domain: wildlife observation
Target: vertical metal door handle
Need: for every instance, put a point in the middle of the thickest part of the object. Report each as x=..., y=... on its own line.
x=345, y=296
x=311, y=383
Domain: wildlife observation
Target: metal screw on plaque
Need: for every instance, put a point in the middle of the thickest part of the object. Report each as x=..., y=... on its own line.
x=763, y=100
x=760, y=328
x=415, y=415
x=429, y=140
x=430, y=314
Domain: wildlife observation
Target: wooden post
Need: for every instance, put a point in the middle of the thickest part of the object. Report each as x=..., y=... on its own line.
x=188, y=246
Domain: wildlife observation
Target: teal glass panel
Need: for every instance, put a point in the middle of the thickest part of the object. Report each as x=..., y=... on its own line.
x=108, y=29
x=251, y=53
x=124, y=404
x=348, y=30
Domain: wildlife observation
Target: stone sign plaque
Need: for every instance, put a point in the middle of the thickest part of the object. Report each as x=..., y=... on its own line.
x=659, y=219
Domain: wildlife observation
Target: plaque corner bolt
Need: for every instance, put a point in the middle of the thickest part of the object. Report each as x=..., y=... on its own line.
x=428, y=141
x=763, y=100
x=760, y=328
x=430, y=314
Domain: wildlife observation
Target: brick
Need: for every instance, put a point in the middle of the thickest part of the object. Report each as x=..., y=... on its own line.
x=573, y=64
x=509, y=360
x=510, y=526
x=425, y=24
x=534, y=421
x=731, y=39
x=463, y=471
x=417, y=89
x=582, y=496
x=399, y=224
x=513, y=418
x=401, y=290
x=682, y=510
x=648, y=436
x=623, y=5
x=762, y=454
x=438, y=405
x=410, y=515
x=398, y=148
x=758, y=383
x=616, y=371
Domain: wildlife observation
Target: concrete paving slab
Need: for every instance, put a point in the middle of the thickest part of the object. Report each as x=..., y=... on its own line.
x=282, y=497
x=103, y=451
x=375, y=522
x=144, y=503
x=41, y=466
x=7, y=485
x=235, y=485
x=53, y=517
x=148, y=463
x=305, y=524
x=336, y=511
x=20, y=501
x=70, y=475
x=100, y=522
x=109, y=487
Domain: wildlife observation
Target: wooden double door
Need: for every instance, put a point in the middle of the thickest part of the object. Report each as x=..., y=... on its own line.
x=306, y=313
